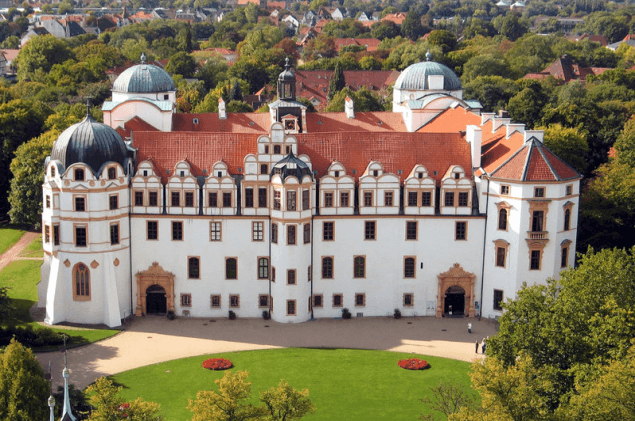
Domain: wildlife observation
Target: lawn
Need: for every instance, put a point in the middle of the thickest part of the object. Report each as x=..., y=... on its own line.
x=344, y=384
x=34, y=248
x=22, y=277
x=8, y=237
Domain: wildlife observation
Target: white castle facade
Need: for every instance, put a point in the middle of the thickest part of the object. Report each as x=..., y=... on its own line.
x=434, y=208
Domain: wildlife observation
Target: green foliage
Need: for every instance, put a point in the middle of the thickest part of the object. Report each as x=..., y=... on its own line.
x=363, y=99
x=27, y=167
x=493, y=92
x=384, y=30
x=284, y=403
x=513, y=27
x=625, y=144
x=182, y=64
x=444, y=39
x=345, y=28
x=236, y=93
x=78, y=401
x=5, y=303
x=448, y=397
x=41, y=53
x=235, y=106
x=23, y=388
x=108, y=405
x=337, y=81
x=485, y=65
x=411, y=27
x=568, y=144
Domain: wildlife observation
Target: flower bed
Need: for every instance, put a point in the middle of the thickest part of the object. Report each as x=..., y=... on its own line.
x=217, y=364
x=414, y=364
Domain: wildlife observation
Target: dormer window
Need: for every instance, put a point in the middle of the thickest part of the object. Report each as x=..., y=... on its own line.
x=112, y=173
x=79, y=174
x=266, y=148
x=337, y=173
x=457, y=176
x=52, y=171
x=276, y=149
x=166, y=97
x=145, y=173
x=195, y=120
x=419, y=175
x=375, y=173
x=219, y=174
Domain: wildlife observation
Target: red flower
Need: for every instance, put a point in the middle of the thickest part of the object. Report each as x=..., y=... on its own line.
x=414, y=364
x=217, y=364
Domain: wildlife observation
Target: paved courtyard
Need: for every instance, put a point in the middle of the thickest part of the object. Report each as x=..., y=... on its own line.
x=154, y=339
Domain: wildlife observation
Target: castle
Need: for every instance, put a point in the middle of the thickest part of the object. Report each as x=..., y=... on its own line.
x=435, y=208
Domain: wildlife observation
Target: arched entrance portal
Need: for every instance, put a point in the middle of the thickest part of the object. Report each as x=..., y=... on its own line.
x=155, y=290
x=456, y=289
x=454, y=301
x=156, y=302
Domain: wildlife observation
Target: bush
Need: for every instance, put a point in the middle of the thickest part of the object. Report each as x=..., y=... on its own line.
x=30, y=337
x=232, y=315
x=171, y=315
x=266, y=315
x=397, y=314
x=346, y=314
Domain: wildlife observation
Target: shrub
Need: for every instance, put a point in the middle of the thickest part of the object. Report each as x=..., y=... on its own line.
x=397, y=314
x=171, y=315
x=346, y=314
x=232, y=315
x=266, y=315
x=31, y=337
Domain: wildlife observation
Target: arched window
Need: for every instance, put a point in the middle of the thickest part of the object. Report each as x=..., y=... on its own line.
x=112, y=173
x=502, y=219
x=567, y=219
x=81, y=282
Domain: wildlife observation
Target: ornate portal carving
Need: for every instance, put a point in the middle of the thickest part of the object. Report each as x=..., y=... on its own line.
x=456, y=276
x=154, y=275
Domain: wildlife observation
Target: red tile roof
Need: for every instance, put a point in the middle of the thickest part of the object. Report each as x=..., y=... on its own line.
x=363, y=122
x=370, y=43
x=235, y=123
x=397, y=18
x=135, y=124
x=566, y=69
x=451, y=120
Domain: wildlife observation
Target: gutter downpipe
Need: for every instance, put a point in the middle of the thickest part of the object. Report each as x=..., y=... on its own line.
x=480, y=313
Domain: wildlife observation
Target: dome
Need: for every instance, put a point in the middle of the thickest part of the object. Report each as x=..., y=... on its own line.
x=144, y=78
x=415, y=77
x=291, y=165
x=91, y=143
x=287, y=75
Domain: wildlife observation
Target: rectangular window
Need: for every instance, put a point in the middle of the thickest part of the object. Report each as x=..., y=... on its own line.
x=290, y=307
x=569, y=190
x=318, y=301
x=291, y=279
x=227, y=200
x=327, y=267
x=264, y=168
x=214, y=301
x=176, y=199
x=360, y=300
x=564, y=258
x=231, y=268
x=80, y=204
x=177, y=230
x=234, y=301
x=426, y=198
x=504, y=190
x=153, y=198
x=344, y=199
x=368, y=198
x=80, y=236
x=537, y=219
x=213, y=200
x=48, y=201
x=534, y=264
x=47, y=234
x=388, y=198
x=262, y=197
x=258, y=231
x=408, y=300
x=359, y=267
x=153, y=230
x=498, y=299
x=274, y=233
x=307, y=233
x=114, y=202
x=291, y=200
x=328, y=200
x=215, y=231
x=463, y=199
x=291, y=235
x=114, y=234
x=338, y=300
x=409, y=267
x=539, y=192
x=328, y=231
x=186, y=300
x=460, y=231
x=309, y=273
x=306, y=203
x=56, y=235
x=189, y=199
x=79, y=175
x=369, y=230
x=277, y=199
x=263, y=301
x=412, y=198
x=263, y=268
x=449, y=198
x=138, y=198
x=411, y=230
x=500, y=256
x=249, y=198
x=193, y=268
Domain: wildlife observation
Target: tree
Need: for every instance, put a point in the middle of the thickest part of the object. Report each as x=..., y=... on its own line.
x=485, y=65
x=625, y=144
x=411, y=27
x=109, y=406
x=236, y=94
x=568, y=144
x=444, y=39
x=23, y=388
x=284, y=403
x=228, y=403
x=5, y=303
x=363, y=100
x=384, y=29
x=337, y=82
x=513, y=27
x=181, y=63
x=493, y=92
x=27, y=167
x=448, y=398
x=41, y=53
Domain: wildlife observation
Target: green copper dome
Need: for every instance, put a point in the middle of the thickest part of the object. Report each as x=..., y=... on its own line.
x=415, y=77
x=144, y=78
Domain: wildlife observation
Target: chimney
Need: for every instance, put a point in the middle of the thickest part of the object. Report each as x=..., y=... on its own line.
x=503, y=114
x=498, y=122
x=474, y=136
x=538, y=134
x=222, y=113
x=512, y=128
x=485, y=117
x=349, y=108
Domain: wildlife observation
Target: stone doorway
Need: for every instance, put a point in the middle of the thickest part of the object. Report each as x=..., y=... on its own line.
x=156, y=302
x=456, y=288
x=151, y=285
x=454, y=301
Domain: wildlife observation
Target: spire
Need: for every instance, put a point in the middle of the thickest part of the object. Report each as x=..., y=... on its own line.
x=51, y=402
x=67, y=414
x=88, y=105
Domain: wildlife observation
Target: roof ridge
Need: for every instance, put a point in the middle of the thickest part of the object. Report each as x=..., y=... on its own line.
x=527, y=160
x=542, y=145
x=542, y=154
x=508, y=159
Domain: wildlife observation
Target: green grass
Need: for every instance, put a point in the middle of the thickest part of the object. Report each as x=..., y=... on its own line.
x=34, y=248
x=8, y=237
x=345, y=384
x=22, y=277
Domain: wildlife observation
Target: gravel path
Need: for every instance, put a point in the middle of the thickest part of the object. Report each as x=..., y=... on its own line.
x=13, y=253
x=153, y=339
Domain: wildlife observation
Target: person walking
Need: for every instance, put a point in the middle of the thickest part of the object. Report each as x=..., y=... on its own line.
x=484, y=346
x=476, y=347
x=469, y=328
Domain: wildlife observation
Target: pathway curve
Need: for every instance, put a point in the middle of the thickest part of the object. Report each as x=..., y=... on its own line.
x=14, y=252
x=150, y=340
